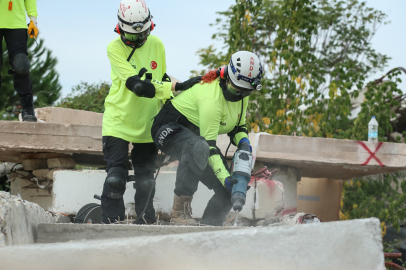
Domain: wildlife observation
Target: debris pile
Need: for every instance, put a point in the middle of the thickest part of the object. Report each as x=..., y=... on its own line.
x=34, y=179
x=19, y=220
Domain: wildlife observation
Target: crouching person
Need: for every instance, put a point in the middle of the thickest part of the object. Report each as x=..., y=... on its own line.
x=187, y=127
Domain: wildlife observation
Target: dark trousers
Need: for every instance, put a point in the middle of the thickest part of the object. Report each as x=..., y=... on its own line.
x=177, y=144
x=16, y=41
x=143, y=158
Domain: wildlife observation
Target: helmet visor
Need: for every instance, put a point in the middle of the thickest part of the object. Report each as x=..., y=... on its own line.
x=137, y=37
x=237, y=91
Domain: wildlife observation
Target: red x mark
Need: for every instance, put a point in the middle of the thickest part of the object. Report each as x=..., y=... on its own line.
x=372, y=155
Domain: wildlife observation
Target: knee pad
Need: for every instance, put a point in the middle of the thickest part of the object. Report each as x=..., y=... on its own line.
x=116, y=180
x=144, y=185
x=21, y=64
x=198, y=152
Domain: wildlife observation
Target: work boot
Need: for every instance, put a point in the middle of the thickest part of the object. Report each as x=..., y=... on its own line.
x=182, y=211
x=28, y=114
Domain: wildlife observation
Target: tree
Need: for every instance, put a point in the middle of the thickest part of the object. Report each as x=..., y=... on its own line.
x=381, y=196
x=44, y=78
x=88, y=97
x=316, y=54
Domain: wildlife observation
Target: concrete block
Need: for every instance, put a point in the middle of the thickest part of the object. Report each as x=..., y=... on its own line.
x=62, y=163
x=355, y=244
x=54, y=233
x=42, y=174
x=21, y=173
x=49, y=137
x=50, y=174
x=19, y=220
x=269, y=199
x=34, y=164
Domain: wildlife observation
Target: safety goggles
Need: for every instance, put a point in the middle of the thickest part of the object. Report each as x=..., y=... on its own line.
x=237, y=92
x=132, y=37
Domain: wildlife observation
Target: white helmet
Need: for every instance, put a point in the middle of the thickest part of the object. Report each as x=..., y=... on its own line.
x=245, y=71
x=134, y=22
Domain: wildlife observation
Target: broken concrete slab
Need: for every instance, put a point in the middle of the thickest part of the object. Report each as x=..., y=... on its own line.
x=61, y=163
x=354, y=244
x=49, y=137
x=69, y=116
x=19, y=220
x=330, y=158
x=313, y=157
x=34, y=164
x=54, y=233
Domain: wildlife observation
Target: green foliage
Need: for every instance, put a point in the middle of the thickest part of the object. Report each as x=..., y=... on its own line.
x=315, y=54
x=381, y=196
x=88, y=97
x=379, y=99
x=44, y=78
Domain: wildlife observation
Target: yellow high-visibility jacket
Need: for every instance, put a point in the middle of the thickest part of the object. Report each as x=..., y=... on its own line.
x=16, y=18
x=127, y=116
x=205, y=106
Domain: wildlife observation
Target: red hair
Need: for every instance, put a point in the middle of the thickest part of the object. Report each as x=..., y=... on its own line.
x=210, y=76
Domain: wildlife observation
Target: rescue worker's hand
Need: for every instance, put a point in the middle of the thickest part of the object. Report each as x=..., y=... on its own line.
x=32, y=27
x=187, y=84
x=245, y=140
x=228, y=183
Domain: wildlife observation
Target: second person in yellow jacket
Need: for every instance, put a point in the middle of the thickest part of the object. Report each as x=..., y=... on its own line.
x=139, y=84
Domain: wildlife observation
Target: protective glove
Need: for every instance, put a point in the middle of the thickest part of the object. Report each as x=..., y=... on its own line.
x=245, y=140
x=32, y=27
x=187, y=84
x=228, y=183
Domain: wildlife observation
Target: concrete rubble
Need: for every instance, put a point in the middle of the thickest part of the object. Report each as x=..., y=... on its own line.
x=19, y=220
x=352, y=244
x=80, y=138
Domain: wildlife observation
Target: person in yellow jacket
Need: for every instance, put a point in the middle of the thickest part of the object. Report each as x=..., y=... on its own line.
x=187, y=128
x=139, y=84
x=13, y=28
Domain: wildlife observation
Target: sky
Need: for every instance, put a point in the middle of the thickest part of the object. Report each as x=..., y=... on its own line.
x=78, y=32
